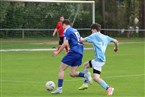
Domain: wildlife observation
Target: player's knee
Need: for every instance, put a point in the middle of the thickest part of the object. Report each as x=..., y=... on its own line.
x=96, y=78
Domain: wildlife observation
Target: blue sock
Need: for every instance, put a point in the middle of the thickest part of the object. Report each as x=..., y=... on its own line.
x=85, y=79
x=81, y=74
x=85, y=71
x=104, y=84
x=60, y=82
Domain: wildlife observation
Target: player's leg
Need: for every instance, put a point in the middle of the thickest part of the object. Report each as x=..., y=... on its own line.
x=102, y=83
x=85, y=84
x=86, y=66
x=61, y=39
x=87, y=74
x=58, y=47
x=97, y=67
x=75, y=73
x=60, y=78
x=67, y=60
x=60, y=43
x=75, y=60
x=75, y=63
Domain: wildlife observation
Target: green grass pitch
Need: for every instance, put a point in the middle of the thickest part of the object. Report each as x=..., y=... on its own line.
x=24, y=74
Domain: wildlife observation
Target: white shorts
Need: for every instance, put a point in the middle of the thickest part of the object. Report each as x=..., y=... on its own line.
x=97, y=65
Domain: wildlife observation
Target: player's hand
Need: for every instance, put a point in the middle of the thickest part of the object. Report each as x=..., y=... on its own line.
x=55, y=53
x=115, y=49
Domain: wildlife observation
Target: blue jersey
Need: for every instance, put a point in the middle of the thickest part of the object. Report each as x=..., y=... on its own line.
x=73, y=37
x=100, y=43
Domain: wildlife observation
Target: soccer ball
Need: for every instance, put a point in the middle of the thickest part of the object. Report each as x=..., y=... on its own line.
x=50, y=85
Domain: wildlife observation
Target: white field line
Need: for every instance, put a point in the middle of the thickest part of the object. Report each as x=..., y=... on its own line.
x=29, y=50
x=74, y=79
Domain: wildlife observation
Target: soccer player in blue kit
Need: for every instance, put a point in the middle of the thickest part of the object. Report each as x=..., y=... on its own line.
x=100, y=43
x=73, y=58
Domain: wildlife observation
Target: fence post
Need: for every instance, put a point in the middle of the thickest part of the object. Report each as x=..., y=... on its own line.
x=23, y=34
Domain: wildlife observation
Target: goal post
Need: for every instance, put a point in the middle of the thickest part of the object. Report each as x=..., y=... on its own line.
x=38, y=18
x=61, y=1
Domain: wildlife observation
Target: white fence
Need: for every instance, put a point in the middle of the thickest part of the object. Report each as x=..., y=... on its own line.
x=121, y=31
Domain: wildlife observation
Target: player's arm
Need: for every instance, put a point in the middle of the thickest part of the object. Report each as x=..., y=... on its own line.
x=116, y=43
x=87, y=39
x=82, y=40
x=55, y=30
x=65, y=43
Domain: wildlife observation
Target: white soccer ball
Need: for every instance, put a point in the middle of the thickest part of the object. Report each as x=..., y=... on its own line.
x=50, y=85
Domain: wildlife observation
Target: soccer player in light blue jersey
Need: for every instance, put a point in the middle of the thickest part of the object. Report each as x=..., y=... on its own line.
x=100, y=43
x=73, y=57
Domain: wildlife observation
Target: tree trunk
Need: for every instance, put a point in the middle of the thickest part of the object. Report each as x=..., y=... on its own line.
x=142, y=18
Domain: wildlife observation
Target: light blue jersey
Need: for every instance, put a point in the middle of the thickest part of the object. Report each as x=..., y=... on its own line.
x=100, y=42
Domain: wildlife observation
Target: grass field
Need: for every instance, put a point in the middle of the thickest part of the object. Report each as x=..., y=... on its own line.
x=24, y=74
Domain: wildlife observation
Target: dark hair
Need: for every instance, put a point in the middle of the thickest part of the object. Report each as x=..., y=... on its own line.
x=62, y=16
x=96, y=26
x=66, y=21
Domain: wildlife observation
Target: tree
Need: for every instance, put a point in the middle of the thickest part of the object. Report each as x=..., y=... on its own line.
x=142, y=17
x=3, y=12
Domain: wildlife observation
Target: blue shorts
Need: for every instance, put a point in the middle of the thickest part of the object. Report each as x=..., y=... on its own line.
x=72, y=59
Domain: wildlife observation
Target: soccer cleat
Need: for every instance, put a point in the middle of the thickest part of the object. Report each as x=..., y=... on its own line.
x=88, y=76
x=57, y=91
x=83, y=87
x=110, y=91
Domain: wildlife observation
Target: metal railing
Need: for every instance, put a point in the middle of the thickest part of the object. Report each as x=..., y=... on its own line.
x=80, y=29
